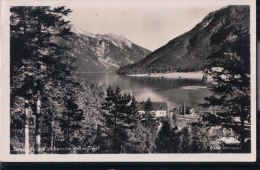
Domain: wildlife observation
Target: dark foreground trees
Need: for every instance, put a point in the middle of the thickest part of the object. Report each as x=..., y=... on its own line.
x=120, y=116
x=167, y=140
x=36, y=61
x=42, y=79
x=230, y=70
x=149, y=121
x=125, y=130
x=71, y=122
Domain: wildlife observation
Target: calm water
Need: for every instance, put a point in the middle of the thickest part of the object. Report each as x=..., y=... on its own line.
x=172, y=91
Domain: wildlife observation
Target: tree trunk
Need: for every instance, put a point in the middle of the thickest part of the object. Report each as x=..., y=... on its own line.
x=27, y=137
x=52, y=141
x=38, y=103
x=68, y=133
x=26, y=130
x=37, y=124
x=52, y=136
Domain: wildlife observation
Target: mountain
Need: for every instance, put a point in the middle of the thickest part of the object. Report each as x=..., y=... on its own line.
x=99, y=53
x=188, y=52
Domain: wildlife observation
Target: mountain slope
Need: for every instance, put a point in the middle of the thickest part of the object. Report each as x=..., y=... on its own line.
x=188, y=52
x=99, y=53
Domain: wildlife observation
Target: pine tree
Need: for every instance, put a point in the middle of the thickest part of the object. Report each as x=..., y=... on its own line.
x=99, y=141
x=121, y=109
x=89, y=101
x=196, y=140
x=149, y=121
x=71, y=121
x=185, y=141
x=148, y=106
x=167, y=140
x=138, y=139
x=132, y=114
x=131, y=124
x=175, y=140
x=114, y=111
x=110, y=119
x=120, y=115
x=163, y=141
x=149, y=117
x=229, y=67
x=41, y=67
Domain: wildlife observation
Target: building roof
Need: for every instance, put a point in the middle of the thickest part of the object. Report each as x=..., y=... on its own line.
x=157, y=106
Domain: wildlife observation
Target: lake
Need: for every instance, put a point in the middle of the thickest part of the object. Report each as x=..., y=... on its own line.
x=172, y=91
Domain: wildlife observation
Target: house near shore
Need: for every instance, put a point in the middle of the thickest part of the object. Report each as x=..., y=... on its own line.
x=159, y=109
x=187, y=119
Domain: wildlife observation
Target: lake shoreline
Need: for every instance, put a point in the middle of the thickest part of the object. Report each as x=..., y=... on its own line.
x=173, y=91
x=172, y=75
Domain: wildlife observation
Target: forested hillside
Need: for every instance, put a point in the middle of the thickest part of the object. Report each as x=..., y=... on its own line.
x=189, y=51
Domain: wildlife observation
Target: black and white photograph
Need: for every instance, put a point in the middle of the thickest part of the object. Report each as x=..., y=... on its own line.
x=131, y=78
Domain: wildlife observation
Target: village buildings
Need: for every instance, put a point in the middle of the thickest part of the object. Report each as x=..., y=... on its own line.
x=159, y=109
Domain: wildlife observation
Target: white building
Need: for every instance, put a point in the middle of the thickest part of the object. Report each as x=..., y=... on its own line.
x=159, y=109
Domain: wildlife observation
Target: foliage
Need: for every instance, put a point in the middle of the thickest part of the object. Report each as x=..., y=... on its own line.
x=185, y=141
x=230, y=71
x=71, y=121
x=43, y=69
x=120, y=118
x=149, y=122
x=196, y=140
x=167, y=140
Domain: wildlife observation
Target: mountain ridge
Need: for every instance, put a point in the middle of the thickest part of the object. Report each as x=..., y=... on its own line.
x=188, y=52
x=101, y=53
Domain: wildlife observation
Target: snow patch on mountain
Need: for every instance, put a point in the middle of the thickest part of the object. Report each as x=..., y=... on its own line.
x=119, y=40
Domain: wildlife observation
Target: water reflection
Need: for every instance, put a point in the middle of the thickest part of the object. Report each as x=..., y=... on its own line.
x=172, y=91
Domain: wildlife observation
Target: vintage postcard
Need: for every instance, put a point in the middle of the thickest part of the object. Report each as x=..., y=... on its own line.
x=128, y=81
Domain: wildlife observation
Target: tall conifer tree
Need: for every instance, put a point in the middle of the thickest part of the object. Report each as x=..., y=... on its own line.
x=229, y=66
x=41, y=68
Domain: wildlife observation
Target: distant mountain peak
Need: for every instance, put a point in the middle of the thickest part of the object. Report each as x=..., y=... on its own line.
x=99, y=53
x=118, y=38
x=80, y=31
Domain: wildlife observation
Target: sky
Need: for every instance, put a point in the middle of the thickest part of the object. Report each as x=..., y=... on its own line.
x=150, y=24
